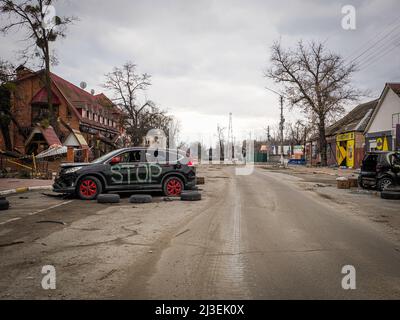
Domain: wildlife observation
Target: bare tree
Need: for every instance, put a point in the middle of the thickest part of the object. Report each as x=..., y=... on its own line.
x=316, y=80
x=6, y=87
x=139, y=118
x=41, y=27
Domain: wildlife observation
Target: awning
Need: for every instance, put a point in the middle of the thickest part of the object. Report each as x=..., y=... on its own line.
x=76, y=139
x=51, y=152
x=48, y=134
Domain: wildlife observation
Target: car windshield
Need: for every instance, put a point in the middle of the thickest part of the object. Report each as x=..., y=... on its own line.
x=106, y=156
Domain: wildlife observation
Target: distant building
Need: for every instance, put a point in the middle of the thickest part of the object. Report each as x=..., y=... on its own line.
x=345, y=139
x=85, y=120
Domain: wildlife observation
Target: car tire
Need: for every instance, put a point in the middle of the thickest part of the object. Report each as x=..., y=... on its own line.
x=108, y=198
x=89, y=188
x=383, y=183
x=360, y=182
x=4, y=204
x=191, y=196
x=141, y=198
x=173, y=187
x=390, y=195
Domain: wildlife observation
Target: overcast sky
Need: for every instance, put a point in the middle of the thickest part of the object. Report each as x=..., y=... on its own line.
x=207, y=58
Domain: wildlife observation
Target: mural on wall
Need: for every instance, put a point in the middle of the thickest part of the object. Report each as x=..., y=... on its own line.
x=345, y=144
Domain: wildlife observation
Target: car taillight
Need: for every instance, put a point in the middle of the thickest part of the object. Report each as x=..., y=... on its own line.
x=190, y=163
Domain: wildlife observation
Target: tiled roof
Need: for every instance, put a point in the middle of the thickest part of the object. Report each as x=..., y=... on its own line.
x=50, y=136
x=395, y=87
x=356, y=120
x=41, y=97
x=80, y=98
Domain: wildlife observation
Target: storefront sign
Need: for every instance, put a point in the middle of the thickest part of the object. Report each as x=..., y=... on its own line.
x=345, y=136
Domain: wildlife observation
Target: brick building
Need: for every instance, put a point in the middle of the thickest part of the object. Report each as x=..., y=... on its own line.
x=85, y=120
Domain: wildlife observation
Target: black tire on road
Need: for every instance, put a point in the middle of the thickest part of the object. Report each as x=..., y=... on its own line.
x=390, y=195
x=108, y=198
x=141, y=198
x=89, y=188
x=383, y=183
x=191, y=196
x=4, y=204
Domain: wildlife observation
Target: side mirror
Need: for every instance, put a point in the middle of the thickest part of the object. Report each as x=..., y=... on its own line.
x=115, y=160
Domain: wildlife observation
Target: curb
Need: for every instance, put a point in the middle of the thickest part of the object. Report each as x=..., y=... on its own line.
x=24, y=189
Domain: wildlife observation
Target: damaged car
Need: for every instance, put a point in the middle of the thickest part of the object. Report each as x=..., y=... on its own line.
x=380, y=170
x=128, y=170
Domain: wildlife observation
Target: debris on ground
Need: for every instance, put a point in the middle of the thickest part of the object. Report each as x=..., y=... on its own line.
x=11, y=244
x=170, y=199
x=52, y=221
x=183, y=232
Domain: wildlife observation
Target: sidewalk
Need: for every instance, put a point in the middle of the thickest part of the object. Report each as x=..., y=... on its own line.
x=336, y=172
x=8, y=186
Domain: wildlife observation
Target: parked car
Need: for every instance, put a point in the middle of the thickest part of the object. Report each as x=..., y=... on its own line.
x=129, y=169
x=380, y=170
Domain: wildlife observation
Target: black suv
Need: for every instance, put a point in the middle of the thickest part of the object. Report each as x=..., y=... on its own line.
x=129, y=169
x=380, y=170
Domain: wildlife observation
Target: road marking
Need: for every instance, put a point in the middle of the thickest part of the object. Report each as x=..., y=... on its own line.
x=11, y=220
x=36, y=212
x=52, y=207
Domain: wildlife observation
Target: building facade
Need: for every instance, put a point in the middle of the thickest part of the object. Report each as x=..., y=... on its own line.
x=345, y=138
x=381, y=132
x=85, y=120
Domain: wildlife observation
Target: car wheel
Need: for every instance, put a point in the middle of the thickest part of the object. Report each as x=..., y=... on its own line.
x=390, y=195
x=89, y=188
x=173, y=187
x=360, y=182
x=383, y=183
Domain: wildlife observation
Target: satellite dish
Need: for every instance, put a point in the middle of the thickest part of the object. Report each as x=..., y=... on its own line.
x=83, y=85
x=92, y=92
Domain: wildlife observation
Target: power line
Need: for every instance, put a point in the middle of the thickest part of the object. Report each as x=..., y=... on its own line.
x=376, y=53
x=380, y=57
x=355, y=52
x=374, y=45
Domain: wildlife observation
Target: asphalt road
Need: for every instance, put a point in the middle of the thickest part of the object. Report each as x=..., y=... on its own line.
x=268, y=235
x=267, y=238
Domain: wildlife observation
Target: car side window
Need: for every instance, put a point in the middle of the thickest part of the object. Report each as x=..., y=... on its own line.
x=130, y=157
x=155, y=156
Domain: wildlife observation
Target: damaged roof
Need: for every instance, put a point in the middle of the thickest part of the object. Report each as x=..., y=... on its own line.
x=356, y=120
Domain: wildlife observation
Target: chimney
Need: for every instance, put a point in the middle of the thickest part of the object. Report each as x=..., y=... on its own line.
x=22, y=72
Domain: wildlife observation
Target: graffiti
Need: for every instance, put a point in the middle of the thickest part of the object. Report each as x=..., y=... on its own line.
x=135, y=173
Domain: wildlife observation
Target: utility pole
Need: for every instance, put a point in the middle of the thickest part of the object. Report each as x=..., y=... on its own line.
x=281, y=127
x=282, y=123
x=231, y=140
